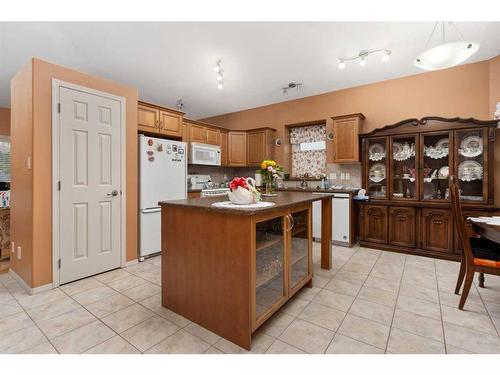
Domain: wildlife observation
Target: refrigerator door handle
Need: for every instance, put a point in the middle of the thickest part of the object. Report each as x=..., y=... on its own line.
x=150, y=210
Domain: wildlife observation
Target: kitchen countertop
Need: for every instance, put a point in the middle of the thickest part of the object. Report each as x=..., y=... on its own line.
x=314, y=190
x=190, y=190
x=284, y=199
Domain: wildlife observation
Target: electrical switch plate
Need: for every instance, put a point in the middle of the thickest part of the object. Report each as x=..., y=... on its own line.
x=347, y=176
x=333, y=176
x=342, y=176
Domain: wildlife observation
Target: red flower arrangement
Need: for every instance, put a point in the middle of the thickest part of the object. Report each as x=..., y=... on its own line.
x=237, y=182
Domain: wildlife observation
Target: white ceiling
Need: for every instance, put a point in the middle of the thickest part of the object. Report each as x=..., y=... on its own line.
x=167, y=61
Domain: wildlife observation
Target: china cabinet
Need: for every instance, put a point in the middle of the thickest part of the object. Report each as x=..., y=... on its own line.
x=405, y=173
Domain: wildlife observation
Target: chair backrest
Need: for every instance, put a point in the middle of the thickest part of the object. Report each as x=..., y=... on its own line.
x=459, y=219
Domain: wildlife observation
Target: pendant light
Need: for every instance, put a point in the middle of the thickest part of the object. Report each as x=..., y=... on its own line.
x=445, y=55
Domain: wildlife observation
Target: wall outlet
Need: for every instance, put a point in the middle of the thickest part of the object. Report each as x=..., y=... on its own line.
x=12, y=248
x=333, y=176
x=19, y=252
x=342, y=176
x=347, y=176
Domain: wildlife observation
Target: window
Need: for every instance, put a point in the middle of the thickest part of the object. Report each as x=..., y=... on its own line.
x=4, y=159
x=308, y=150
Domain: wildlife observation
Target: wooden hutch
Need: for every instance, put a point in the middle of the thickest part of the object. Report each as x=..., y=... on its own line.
x=405, y=173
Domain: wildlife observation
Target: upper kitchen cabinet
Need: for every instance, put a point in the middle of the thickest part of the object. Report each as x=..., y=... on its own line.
x=260, y=145
x=237, y=146
x=224, y=147
x=159, y=121
x=345, y=138
x=200, y=132
x=148, y=119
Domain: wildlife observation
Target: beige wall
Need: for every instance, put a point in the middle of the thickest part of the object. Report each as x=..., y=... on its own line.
x=463, y=91
x=4, y=121
x=42, y=75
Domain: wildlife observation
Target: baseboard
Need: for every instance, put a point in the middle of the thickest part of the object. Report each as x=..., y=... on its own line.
x=26, y=287
x=131, y=262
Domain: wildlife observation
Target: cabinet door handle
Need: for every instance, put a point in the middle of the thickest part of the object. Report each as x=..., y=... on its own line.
x=161, y=125
x=292, y=221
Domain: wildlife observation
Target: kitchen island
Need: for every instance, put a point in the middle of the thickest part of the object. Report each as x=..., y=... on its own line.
x=229, y=270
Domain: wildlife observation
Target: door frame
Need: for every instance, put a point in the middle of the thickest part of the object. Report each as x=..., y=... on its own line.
x=56, y=85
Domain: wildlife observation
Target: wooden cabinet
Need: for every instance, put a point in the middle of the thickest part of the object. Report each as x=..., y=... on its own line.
x=405, y=170
x=197, y=133
x=402, y=226
x=171, y=124
x=375, y=223
x=260, y=145
x=159, y=121
x=437, y=233
x=237, y=146
x=345, y=138
x=282, y=260
x=200, y=132
x=224, y=147
x=194, y=194
x=148, y=119
x=185, y=132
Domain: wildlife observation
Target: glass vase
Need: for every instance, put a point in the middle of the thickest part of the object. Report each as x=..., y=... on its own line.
x=269, y=187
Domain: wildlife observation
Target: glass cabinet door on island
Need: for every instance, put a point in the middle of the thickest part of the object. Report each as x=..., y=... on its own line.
x=269, y=265
x=436, y=154
x=377, y=167
x=471, y=157
x=403, y=164
x=300, y=266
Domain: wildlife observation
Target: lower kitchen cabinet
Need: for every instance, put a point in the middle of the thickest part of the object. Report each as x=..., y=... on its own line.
x=419, y=229
x=402, y=226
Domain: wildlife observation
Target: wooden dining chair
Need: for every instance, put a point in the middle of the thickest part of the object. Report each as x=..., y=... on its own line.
x=478, y=254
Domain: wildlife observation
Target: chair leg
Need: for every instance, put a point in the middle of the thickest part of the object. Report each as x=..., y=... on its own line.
x=469, y=277
x=461, y=275
x=481, y=280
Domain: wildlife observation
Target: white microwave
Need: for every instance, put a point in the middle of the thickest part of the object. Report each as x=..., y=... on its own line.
x=204, y=154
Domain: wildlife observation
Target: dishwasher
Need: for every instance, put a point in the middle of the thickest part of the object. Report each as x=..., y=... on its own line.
x=341, y=221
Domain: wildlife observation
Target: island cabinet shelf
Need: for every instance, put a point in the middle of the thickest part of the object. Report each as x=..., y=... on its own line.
x=231, y=270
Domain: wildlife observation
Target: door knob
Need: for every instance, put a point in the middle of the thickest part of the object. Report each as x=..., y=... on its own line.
x=114, y=193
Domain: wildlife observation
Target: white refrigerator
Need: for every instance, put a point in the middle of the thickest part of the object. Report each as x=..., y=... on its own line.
x=162, y=176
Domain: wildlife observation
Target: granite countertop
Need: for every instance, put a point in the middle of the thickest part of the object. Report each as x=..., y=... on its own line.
x=284, y=199
x=315, y=190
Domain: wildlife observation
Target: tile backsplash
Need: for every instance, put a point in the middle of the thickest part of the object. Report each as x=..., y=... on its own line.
x=348, y=175
x=217, y=173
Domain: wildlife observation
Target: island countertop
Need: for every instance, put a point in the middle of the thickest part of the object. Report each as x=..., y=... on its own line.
x=284, y=199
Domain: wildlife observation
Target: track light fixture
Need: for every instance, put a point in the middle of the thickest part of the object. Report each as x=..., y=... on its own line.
x=292, y=85
x=363, y=54
x=220, y=74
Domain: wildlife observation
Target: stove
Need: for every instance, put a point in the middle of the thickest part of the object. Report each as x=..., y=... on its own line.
x=214, y=192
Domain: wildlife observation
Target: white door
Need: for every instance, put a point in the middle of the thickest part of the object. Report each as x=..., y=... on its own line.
x=90, y=184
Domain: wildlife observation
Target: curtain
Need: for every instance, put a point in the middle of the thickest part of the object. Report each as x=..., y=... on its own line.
x=310, y=163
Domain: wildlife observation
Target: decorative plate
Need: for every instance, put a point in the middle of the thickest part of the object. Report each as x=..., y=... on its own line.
x=402, y=151
x=376, y=152
x=470, y=170
x=444, y=172
x=377, y=172
x=471, y=146
x=440, y=150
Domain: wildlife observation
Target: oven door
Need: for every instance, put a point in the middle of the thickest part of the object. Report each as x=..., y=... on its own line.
x=204, y=154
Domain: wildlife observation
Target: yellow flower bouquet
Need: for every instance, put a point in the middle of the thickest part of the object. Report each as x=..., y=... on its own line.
x=269, y=170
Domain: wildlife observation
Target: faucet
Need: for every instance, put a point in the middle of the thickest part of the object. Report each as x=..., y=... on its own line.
x=303, y=184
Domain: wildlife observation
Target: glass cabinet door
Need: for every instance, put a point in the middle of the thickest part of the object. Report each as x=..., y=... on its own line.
x=403, y=164
x=436, y=158
x=470, y=146
x=269, y=264
x=300, y=266
x=376, y=156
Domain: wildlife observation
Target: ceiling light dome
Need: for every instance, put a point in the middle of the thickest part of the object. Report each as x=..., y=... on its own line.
x=446, y=55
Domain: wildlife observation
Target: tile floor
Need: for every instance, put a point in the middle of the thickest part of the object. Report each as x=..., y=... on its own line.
x=371, y=302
